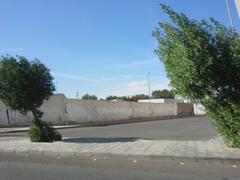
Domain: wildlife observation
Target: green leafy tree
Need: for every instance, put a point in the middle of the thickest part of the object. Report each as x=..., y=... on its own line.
x=109, y=98
x=140, y=96
x=23, y=86
x=163, y=94
x=89, y=97
x=128, y=98
x=202, y=60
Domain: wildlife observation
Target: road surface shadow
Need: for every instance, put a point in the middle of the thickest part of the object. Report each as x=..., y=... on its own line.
x=100, y=140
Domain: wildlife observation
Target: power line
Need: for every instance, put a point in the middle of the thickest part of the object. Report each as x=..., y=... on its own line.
x=230, y=14
x=149, y=89
x=237, y=3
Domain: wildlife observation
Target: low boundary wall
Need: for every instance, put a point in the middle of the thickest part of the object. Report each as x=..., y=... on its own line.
x=59, y=111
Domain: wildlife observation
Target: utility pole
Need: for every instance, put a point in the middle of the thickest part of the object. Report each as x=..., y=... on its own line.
x=77, y=94
x=237, y=3
x=56, y=87
x=149, y=90
x=230, y=14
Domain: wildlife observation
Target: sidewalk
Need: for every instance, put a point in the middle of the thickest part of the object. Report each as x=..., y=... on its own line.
x=128, y=146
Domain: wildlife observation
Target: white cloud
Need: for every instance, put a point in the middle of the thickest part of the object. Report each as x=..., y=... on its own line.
x=82, y=78
x=136, y=84
x=136, y=63
x=152, y=61
x=135, y=87
x=13, y=49
x=71, y=76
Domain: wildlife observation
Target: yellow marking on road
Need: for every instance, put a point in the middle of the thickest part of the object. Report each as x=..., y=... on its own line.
x=182, y=163
x=94, y=159
x=234, y=166
x=134, y=161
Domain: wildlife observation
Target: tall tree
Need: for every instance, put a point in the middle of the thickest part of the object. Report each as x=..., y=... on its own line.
x=128, y=98
x=90, y=97
x=163, y=94
x=109, y=98
x=202, y=60
x=23, y=86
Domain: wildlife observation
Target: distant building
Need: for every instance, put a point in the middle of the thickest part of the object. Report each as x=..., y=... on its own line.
x=161, y=100
x=116, y=100
x=198, y=108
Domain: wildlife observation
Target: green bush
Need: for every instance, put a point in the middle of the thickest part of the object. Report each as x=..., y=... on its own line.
x=43, y=133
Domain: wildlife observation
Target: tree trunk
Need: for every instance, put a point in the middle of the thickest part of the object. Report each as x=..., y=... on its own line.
x=37, y=114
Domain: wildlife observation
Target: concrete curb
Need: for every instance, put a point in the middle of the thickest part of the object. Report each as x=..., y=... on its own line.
x=60, y=155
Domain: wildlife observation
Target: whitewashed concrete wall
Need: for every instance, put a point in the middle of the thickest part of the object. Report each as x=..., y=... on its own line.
x=12, y=118
x=54, y=111
x=59, y=110
x=90, y=110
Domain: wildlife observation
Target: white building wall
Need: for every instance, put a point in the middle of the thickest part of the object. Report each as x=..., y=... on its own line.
x=59, y=110
x=161, y=100
x=198, y=108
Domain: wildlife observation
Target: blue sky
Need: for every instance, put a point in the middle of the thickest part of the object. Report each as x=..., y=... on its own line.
x=102, y=47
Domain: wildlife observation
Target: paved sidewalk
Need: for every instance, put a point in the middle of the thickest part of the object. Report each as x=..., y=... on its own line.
x=213, y=149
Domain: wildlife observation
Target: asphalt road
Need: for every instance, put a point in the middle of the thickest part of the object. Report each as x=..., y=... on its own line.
x=195, y=128
x=39, y=168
